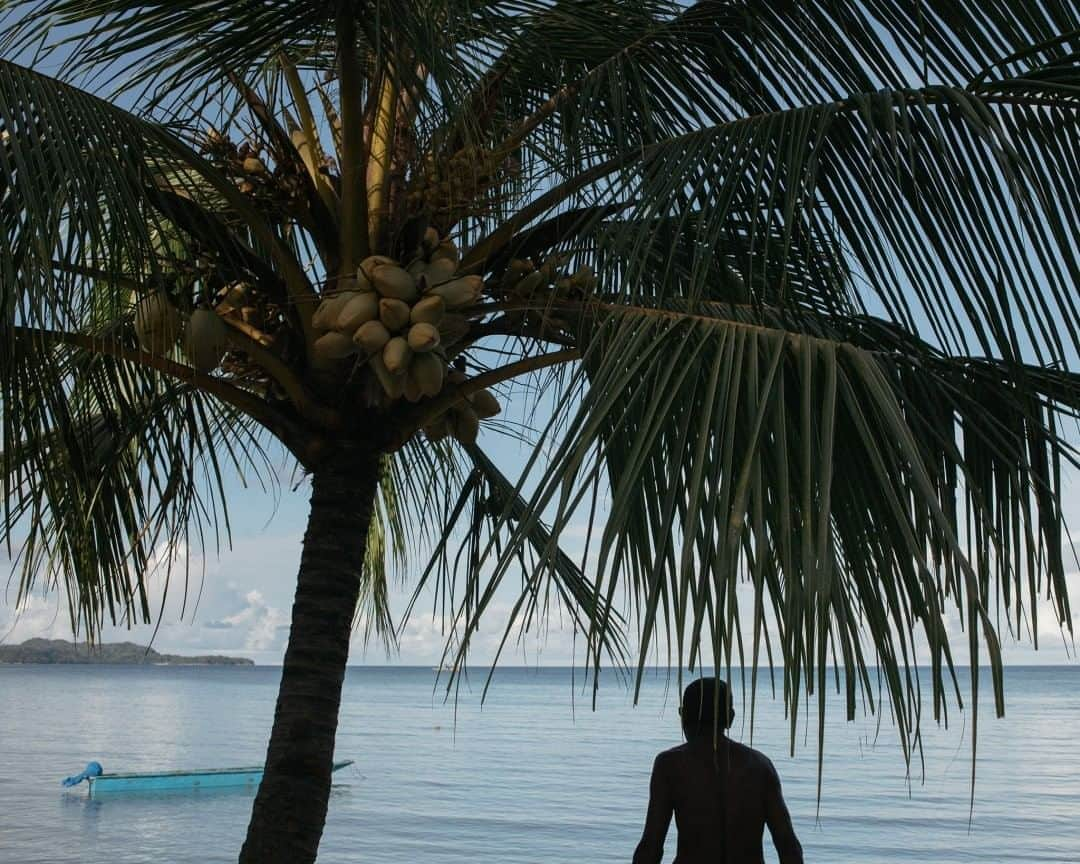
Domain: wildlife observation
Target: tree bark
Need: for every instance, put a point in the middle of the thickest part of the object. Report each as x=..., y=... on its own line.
x=290, y=808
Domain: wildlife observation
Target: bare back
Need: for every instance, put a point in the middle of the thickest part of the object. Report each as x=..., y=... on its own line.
x=719, y=821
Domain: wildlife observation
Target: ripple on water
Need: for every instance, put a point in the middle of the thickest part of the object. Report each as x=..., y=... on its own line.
x=532, y=775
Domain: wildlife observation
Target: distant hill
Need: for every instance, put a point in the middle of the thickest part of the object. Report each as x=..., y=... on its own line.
x=127, y=653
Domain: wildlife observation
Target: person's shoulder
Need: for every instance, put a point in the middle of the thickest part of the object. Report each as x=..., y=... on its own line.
x=672, y=753
x=755, y=759
x=671, y=757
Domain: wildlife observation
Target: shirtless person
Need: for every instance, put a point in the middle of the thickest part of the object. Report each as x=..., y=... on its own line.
x=718, y=822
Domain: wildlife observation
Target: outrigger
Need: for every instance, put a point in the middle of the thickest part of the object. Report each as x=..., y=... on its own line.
x=163, y=781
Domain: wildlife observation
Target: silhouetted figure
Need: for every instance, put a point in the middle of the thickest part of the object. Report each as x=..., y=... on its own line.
x=722, y=793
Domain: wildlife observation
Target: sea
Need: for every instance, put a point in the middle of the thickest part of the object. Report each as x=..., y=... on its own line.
x=531, y=772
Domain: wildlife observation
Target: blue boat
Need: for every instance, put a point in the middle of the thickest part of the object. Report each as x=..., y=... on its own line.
x=167, y=781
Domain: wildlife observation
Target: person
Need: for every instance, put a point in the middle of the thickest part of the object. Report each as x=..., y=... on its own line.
x=722, y=793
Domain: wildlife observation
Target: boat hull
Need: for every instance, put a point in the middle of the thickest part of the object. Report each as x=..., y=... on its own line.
x=168, y=781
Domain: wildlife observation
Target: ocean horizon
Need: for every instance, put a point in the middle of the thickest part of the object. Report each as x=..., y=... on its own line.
x=531, y=774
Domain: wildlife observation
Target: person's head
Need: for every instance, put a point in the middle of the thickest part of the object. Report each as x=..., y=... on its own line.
x=699, y=703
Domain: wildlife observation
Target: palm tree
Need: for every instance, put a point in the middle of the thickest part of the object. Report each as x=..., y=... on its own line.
x=791, y=287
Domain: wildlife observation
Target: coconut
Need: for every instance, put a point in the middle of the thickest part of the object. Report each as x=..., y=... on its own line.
x=439, y=270
x=362, y=281
x=417, y=267
x=437, y=429
x=396, y=355
x=530, y=283
x=326, y=313
x=516, y=270
x=157, y=323
x=254, y=165
x=429, y=310
x=392, y=385
x=446, y=249
x=485, y=404
x=459, y=292
x=392, y=281
x=430, y=241
x=584, y=278
x=333, y=346
x=368, y=265
x=423, y=337
x=429, y=370
x=553, y=263
x=412, y=391
x=361, y=308
x=371, y=338
x=207, y=340
x=464, y=423
x=393, y=313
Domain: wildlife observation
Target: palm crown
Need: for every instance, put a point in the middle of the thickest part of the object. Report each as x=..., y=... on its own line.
x=797, y=279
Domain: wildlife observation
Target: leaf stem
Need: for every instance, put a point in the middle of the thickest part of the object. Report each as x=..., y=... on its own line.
x=256, y=408
x=424, y=413
x=311, y=151
x=353, y=219
x=306, y=404
x=378, y=163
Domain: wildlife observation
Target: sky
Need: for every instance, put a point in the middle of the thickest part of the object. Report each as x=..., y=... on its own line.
x=240, y=606
x=241, y=598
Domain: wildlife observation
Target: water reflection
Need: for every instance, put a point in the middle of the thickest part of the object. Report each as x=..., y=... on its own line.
x=179, y=795
x=455, y=795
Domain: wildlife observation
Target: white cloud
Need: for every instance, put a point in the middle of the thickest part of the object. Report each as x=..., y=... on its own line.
x=264, y=626
x=36, y=617
x=236, y=604
x=424, y=638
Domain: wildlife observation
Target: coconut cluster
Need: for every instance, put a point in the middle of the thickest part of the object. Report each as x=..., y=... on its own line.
x=459, y=185
x=523, y=278
x=462, y=420
x=391, y=317
x=542, y=289
x=399, y=320
x=159, y=325
x=279, y=185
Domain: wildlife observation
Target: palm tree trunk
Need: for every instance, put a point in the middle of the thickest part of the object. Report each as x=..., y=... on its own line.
x=290, y=808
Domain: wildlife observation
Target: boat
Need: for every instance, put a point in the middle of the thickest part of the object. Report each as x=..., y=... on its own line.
x=167, y=781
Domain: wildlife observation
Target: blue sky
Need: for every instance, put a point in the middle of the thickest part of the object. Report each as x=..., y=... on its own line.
x=242, y=605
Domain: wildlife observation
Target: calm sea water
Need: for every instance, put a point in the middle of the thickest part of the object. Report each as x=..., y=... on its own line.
x=533, y=775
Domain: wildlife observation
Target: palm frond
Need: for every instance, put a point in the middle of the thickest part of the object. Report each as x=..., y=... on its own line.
x=804, y=293
x=111, y=475
x=414, y=481
x=486, y=513
x=91, y=186
x=943, y=200
x=854, y=485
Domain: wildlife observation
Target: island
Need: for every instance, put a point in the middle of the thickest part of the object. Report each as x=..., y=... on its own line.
x=123, y=653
